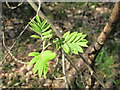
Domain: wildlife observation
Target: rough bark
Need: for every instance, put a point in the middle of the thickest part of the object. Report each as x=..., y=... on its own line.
x=111, y=25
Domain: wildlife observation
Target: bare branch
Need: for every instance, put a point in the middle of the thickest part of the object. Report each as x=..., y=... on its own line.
x=92, y=71
x=64, y=69
x=24, y=29
x=10, y=52
x=19, y=37
x=11, y=7
x=39, y=1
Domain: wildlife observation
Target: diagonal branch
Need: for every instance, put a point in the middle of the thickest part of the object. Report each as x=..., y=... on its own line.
x=10, y=52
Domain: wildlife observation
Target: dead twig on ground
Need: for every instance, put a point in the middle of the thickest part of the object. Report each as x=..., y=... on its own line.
x=64, y=69
x=23, y=30
x=13, y=7
x=10, y=52
x=19, y=37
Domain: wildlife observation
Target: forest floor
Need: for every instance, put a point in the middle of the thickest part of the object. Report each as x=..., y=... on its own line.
x=88, y=18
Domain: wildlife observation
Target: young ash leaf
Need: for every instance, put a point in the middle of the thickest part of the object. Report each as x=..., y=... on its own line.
x=37, y=66
x=38, y=19
x=73, y=42
x=41, y=28
x=35, y=36
x=41, y=61
x=66, y=48
x=66, y=35
x=33, y=54
x=43, y=23
x=34, y=60
x=47, y=55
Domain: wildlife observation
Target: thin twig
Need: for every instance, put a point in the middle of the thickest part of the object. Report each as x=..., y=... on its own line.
x=69, y=60
x=46, y=46
x=39, y=6
x=11, y=7
x=19, y=36
x=78, y=72
x=114, y=65
x=92, y=71
x=43, y=45
x=64, y=69
x=10, y=52
x=60, y=78
x=24, y=29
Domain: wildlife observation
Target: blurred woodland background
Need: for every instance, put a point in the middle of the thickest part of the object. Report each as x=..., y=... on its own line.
x=89, y=18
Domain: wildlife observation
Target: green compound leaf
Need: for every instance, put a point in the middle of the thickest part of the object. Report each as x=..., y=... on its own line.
x=47, y=34
x=35, y=36
x=33, y=60
x=48, y=55
x=41, y=28
x=66, y=48
x=35, y=28
x=43, y=23
x=45, y=69
x=77, y=37
x=66, y=35
x=75, y=48
x=38, y=19
x=47, y=26
x=37, y=65
x=72, y=37
x=41, y=61
x=33, y=54
x=58, y=43
x=84, y=44
x=74, y=42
